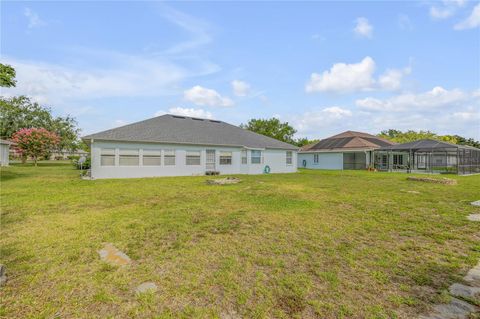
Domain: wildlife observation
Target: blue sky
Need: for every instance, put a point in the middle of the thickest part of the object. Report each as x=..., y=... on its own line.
x=324, y=67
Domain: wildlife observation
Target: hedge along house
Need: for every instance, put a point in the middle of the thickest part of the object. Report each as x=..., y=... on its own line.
x=172, y=145
x=429, y=156
x=347, y=150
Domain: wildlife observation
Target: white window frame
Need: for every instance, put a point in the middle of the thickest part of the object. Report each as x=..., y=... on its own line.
x=289, y=157
x=191, y=158
x=152, y=154
x=169, y=155
x=260, y=158
x=107, y=153
x=128, y=153
x=316, y=158
x=226, y=157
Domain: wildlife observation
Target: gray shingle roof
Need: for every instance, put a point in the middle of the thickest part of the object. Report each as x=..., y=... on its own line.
x=188, y=130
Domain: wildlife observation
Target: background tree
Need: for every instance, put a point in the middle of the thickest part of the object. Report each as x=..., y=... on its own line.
x=35, y=142
x=410, y=136
x=7, y=75
x=20, y=112
x=272, y=128
x=305, y=141
x=467, y=141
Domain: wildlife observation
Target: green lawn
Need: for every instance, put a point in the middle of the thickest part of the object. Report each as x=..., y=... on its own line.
x=315, y=244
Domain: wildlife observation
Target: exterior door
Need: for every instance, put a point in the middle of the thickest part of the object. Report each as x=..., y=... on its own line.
x=210, y=162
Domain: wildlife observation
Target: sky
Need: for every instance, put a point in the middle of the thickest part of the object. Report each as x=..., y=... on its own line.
x=324, y=67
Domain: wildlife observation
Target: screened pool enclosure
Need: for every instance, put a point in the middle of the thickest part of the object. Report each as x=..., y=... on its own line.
x=428, y=156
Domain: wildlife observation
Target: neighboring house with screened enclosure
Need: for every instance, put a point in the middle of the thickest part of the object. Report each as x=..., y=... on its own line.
x=347, y=150
x=171, y=145
x=429, y=156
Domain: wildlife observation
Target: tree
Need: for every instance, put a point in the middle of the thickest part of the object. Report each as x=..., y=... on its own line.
x=272, y=128
x=7, y=75
x=467, y=141
x=35, y=142
x=304, y=141
x=20, y=112
x=411, y=135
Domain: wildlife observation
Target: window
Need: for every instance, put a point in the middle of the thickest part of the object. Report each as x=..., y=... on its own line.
x=256, y=157
x=169, y=157
x=129, y=157
x=244, y=156
x=397, y=159
x=315, y=158
x=225, y=158
x=289, y=160
x=193, y=158
x=384, y=160
x=152, y=157
x=107, y=157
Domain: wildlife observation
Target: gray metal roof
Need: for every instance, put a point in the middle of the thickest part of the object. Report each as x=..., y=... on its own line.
x=426, y=144
x=173, y=129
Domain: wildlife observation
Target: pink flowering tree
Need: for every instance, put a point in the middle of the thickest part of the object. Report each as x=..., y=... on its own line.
x=35, y=142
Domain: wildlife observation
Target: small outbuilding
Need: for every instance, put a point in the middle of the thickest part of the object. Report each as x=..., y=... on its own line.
x=347, y=150
x=429, y=156
x=173, y=145
x=5, y=151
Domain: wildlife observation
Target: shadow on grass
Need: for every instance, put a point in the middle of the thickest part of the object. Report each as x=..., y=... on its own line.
x=42, y=164
x=9, y=175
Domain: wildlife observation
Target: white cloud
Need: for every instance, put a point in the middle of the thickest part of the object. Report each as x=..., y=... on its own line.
x=343, y=78
x=312, y=122
x=203, y=96
x=196, y=28
x=435, y=99
x=441, y=13
x=363, y=28
x=190, y=112
x=446, y=8
x=127, y=76
x=392, y=78
x=404, y=22
x=240, y=88
x=33, y=18
x=473, y=21
x=356, y=77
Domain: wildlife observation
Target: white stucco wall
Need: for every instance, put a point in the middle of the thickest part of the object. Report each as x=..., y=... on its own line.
x=325, y=160
x=4, y=148
x=276, y=159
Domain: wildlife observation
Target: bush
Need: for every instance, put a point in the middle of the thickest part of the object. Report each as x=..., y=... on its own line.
x=85, y=165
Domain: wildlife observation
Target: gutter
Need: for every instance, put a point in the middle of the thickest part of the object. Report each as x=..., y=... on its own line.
x=195, y=144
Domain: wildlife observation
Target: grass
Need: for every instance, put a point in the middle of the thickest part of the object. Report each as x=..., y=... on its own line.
x=315, y=244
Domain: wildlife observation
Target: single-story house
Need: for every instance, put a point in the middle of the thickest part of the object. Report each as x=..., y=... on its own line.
x=172, y=145
x=429, y=156
x=4, y=152
x=347, y=150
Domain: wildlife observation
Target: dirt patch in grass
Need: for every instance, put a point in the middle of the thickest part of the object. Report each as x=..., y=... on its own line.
x=444, y=180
